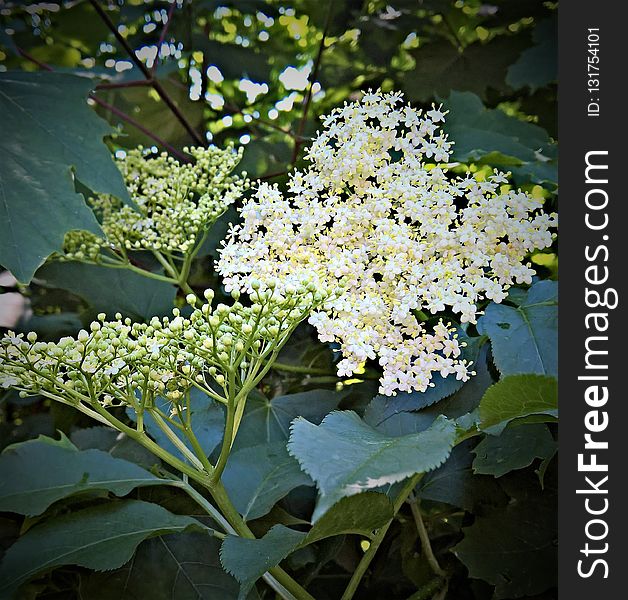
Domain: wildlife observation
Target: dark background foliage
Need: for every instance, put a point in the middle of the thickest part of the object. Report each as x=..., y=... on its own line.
x=260, y=73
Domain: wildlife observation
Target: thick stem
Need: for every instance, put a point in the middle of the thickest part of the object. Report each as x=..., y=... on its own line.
x=218, y=493
x=227, y=438
x=369, y=555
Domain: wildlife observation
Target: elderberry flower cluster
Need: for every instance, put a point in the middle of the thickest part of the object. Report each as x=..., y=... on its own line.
x=377, y=213
x=175, y=204
x=220, y=350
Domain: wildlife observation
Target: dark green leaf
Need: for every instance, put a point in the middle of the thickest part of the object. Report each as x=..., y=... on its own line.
x=537, y=66
x=39, y=472
x=259, y=476
x=346, y=456
x=455, y=483
x=111, y=290
x=498, y=139
x=524, y=338
x=442, y=67
x=180, y=566
x=267, y=421
x=515, y=448
x=361, y=515
x=102, y=537
x=247, y=560
x=517, y=396
x=513, y=548
x=443, y=386
x=116, y=444
x=40, y=148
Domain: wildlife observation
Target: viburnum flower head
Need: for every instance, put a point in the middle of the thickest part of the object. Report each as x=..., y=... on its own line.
x=377, y=217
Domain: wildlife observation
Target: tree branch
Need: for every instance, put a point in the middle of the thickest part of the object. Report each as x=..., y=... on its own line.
x=298, y=140
x=156, y=85
x=162, y=37
x=140, y=127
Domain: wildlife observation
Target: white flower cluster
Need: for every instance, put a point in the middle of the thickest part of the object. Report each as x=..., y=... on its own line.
x=377, y=214
x=117, y=362
x=176, y=204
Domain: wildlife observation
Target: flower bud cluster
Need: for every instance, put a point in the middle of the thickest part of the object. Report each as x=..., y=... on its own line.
x=377, y=215
x=176, y=203
x=116, y=362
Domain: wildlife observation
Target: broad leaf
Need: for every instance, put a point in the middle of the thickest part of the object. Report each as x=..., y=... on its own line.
x=267, y=421
x=513, y=548
x=39, y=472
x=247, y=560
x=114, y=443
x=346, y=456
x=515, y=448
x=258, y=477
x=537, y=66
x=111, y=290
x=524, y=338
x=455, y=483
x=490, y=135
x=442, y=67
x=518, y=396
x=179, y=566
x=48, y=131
x=101, y=537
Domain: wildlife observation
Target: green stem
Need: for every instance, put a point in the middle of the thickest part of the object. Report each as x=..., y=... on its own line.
x=227, y=437
x=176, y=440
x=218, y=493
x=424, y=537
x=369, y=555
x=279, y=366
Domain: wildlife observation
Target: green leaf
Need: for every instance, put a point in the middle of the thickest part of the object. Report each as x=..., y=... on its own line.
x=268, y=421
x=39, y=472
x=114, y=443
x=346, y=456
x=524, y=338
x=247, y=560
x=360, y=514
x=48, y=131
x=517, y=396
x=537, y=66
x=111, y=290
x=178, y=566
x=513, y=548
x=102, y=537
x=259, y=476
x=442, y=67
x=491, y=136
x=515, y=448
x=455, y=483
